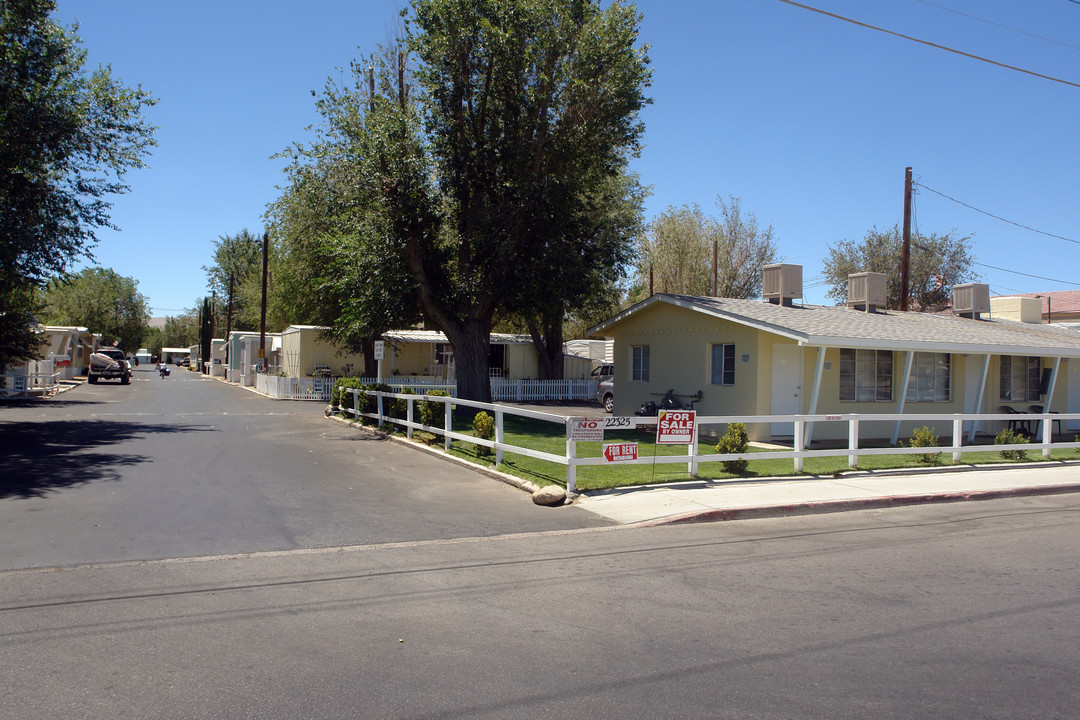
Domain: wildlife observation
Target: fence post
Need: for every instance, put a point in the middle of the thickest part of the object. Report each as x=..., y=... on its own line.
x=379, y=410
x=498, y=436
x=355, y=403
x=571, y=465
x=448, y=422
x=408, y=417
x=799, y=424
x=853, y=442
x=1047, y=427
x=957, y=436
x=692, y=451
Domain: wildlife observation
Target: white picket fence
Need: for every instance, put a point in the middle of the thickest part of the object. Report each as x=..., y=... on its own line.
x=291, y=388
x=502, y=390
x=1043, y=439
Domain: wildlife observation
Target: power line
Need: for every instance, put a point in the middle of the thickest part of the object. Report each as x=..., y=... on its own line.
x=933, y=45
x=1015, y=272
x=998, y=217
x=1004, y=27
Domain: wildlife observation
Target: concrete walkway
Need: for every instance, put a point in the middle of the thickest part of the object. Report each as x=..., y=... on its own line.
x=707, y=501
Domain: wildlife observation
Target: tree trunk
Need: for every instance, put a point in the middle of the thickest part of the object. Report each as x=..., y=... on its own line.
x=471, y=343
x=549, y=349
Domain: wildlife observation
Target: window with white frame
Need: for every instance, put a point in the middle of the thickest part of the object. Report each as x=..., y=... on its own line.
x=866, y=375
x=723, y=364
x=1020, y=378
x=930, y=378
x=639, y=363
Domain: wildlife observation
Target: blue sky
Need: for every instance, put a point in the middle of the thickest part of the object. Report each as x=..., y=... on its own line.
x=809, y=119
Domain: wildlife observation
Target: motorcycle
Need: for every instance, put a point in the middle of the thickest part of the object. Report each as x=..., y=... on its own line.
x=670, y=402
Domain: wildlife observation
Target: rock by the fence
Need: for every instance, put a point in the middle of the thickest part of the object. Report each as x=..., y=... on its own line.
x=549, y=495
x=329, y=410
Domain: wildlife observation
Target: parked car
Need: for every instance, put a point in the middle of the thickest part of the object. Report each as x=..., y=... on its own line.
x=603, y=372
x=605, y=395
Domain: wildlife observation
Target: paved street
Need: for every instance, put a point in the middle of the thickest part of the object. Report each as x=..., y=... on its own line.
x=190, y=466
x=179, y=548
x=940, y=611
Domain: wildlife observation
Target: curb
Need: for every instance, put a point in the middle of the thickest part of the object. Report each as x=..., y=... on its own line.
x=516, y=482
x=832, y=506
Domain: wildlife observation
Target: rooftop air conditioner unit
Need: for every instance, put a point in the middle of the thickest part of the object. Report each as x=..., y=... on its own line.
x=971, y=299
x=782, y=283
x=866, y=291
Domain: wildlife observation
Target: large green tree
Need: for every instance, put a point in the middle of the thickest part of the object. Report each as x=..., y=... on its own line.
x=525, y=111
x=67, y=137
x=104, y=302
x=236, y=266
x=936, y=263
x=677, y=250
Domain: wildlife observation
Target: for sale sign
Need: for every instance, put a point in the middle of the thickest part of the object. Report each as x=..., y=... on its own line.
x=586, y=429
x=617, y=452
x=675, y=427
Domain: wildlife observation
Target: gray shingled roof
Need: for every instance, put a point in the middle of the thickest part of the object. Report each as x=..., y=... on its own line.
x=838, y=326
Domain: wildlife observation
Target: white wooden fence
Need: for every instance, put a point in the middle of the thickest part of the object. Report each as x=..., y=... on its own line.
x=501, y=389
x=290, y=388
x=692, y=458
x=44, y=384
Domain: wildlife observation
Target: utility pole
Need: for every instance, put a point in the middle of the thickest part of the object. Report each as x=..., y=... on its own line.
x=262, y=322
x=905, y=253
x=715, y=269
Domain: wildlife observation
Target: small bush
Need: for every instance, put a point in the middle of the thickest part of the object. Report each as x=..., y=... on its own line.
x=925, y=437
x=483, y=427
x=735, y=440
x=1010, y=437
x=433, y=412
x=339, y=396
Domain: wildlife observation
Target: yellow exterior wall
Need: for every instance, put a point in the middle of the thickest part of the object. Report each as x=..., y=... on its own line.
x=680, y=343
x=303, y=349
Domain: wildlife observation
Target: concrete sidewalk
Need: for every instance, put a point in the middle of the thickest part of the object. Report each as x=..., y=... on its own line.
x=708, y=501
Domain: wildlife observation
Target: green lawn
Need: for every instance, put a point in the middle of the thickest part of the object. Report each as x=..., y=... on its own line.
x=548, y=437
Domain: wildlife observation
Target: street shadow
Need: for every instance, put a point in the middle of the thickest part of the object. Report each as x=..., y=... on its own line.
x=39, y=458
x=21, y=403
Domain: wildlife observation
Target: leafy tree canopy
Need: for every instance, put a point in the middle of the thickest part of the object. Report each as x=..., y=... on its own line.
x=677, y=248
x=102, y=301
x=67, y=137
x=936, y=263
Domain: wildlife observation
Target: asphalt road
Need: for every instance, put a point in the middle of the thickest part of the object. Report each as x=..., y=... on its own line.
x=188, y=466
x=957, y=611
x=180, y=549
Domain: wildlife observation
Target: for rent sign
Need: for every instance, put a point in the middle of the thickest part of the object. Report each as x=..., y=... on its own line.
x=617, y=452
x=675, y=427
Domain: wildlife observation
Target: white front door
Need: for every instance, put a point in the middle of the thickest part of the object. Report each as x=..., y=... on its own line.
x=786, y=386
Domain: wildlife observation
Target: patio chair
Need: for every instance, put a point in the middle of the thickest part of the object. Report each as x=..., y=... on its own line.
x=1017, y=425
x=1038, y=410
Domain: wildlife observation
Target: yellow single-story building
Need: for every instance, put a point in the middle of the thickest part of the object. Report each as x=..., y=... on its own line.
x=427, y=353
x=754, y=357
x=307, y=352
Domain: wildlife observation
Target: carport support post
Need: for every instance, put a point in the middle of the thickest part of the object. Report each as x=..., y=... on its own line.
x=1048, y=424
x=981, y=398
x=815, y=392
x=909, y=356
